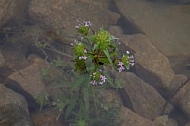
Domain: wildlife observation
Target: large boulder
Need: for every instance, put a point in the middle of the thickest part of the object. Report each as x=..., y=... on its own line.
x=151, y=64
x=2, y=59
x=14, y=115
x=61, y=16
x=180, y=1
x=8, y=96
x=145, y=100
x=178, y=88
x=185, y=104
x=129, y=118
x=167, y=25
x=29, y=78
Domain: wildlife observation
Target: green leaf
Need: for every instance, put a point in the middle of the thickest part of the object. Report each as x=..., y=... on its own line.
x=70, y=106
x=110, y=80
x=85, y=92
x=108, y=55
x=78, y=82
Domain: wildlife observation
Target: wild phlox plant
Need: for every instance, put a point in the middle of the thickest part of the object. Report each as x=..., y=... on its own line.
x=100, y=48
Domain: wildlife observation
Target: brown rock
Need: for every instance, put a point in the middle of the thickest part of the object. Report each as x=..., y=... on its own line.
x=48, y=117
x=151, y=65
x=166, y=25
x=188, y=124
x=2, y=59
x=130, y=118
x=177, y=90
x=185, y=104
x=109, y=95
x=146, y=101
x=8, y=96
x=29, y=79
x=14, y=115
x=62, y=16
x=115, y=31
x=11, y=9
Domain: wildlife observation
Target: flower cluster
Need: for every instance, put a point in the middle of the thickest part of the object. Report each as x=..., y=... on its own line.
x=94, y=51
x=102, y=39
x=126, y=62
x=83, y=27
x=97, y=78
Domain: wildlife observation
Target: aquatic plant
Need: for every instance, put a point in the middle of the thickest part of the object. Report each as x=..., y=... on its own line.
x=95, y=55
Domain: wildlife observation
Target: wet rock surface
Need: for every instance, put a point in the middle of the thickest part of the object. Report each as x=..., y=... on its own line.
x=145, y=90
x=11, y=9
x=129, y=118
x=8, y=96
x=151, y=64
x=141, y=93
x=62, y=16
x=14, y=115
x=51, y=118
x=165, y=24
x=185, y=104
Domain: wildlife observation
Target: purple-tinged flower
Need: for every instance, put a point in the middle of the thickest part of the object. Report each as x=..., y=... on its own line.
x=131, y=57
x=101, y=82
x=85, y=51
x=76, y=26
x=82, y=57
x=121, y=68
x=120, y=64
x=87, y=23
x=103, y=78
x=132, y=64
x=93, y=82
x=132, y=60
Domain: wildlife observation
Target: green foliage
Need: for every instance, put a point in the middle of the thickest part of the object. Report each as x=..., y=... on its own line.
x=80, y=104
x=42, y=100
x=59, y=62
x=45, y=73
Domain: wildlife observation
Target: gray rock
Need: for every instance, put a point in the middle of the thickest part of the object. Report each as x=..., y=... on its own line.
x=167, y=25
x=185, y=104
x=62, y=16
x=180, y=1
x=151, y=65
x=29, y=79
x=11, y=9
x=8, y=96
x=176, y=90
x=2, y=59
x=188, y=124
x=146, y=101
x=14, y=115
x=48, y=117
x=130, y=118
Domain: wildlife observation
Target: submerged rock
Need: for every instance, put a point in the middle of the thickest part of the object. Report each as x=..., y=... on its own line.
x=167, y=25
x=14, y=115
x=8, y=96
x=146, y=101
x=61, y=16
x=129, y=118
x=151, y=64
x=11, y=9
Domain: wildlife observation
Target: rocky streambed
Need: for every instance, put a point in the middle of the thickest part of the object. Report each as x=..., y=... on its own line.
x=150, y=29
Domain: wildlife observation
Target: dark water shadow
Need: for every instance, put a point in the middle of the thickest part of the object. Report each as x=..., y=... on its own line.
x=127, y=25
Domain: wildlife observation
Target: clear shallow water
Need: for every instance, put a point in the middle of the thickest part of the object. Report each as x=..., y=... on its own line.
x=167, y=25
